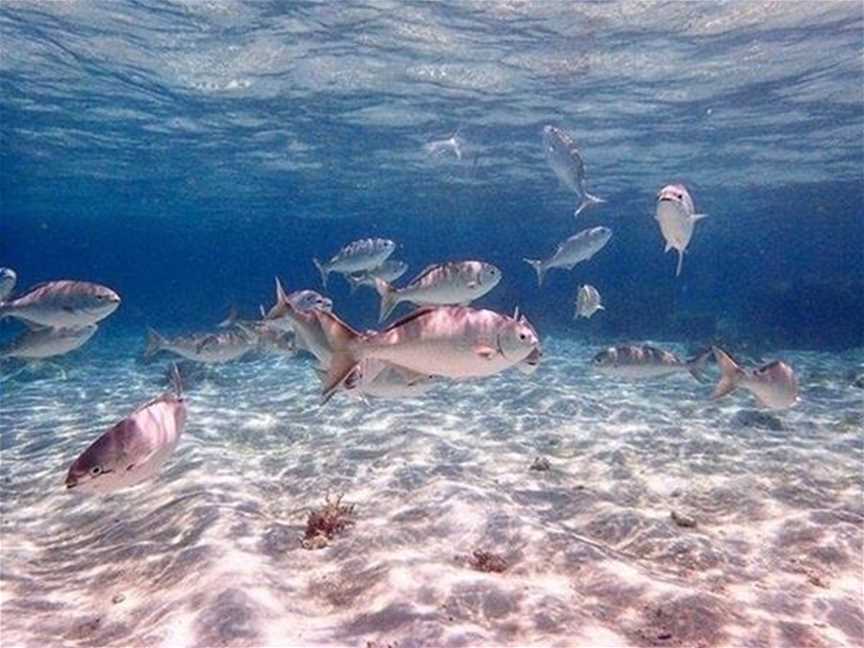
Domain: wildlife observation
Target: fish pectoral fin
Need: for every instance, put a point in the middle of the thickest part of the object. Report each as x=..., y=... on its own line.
x=698, y=217
x=485, y=351
x=667, y=248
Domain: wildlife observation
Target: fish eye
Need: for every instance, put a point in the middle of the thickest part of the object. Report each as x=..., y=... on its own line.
x=523, y=336
x=96, y=470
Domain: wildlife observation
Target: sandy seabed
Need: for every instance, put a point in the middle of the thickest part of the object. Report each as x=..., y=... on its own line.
x=764, y=548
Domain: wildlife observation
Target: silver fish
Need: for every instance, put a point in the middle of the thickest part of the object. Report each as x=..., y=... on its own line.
x=587, y=302
x=455, y=282
x=450, y=341
x=8, y=278
x=453, y=144
x=358, y=256
x=388, y=271
x=267, y=337
x=63, y=304
x=284, y=316
x=774, y=385
x=384, y=380
x=647, y=361
x=676, y=217
x=203, y=347
x=40, y=343
x=577, y=248
x=563, y=156
x=134, y=449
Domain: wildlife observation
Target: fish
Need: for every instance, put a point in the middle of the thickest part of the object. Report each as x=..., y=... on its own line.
x=62, y=304
x=577, y=248
x=132, y=450
x=646, y=361
x=267, y=337
x=388, y=271
x=676, y=217
x=309, y=337
x=223, y=346
x=358, y=256
x=8, y=279
x=40, y=343
x=563, y=156
x=450, y=341
x=455, y=282
x=587, y=302
x=384, y=380
x=452, y=144
x=775, y=385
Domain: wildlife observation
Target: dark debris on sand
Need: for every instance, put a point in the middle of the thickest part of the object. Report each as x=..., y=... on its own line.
x=488, y=562
x=541, y=463
x=682, y=520
x=325, y=523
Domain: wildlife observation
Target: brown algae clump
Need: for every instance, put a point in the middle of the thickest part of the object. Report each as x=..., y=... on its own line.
x=324, y=523
x=486, y=561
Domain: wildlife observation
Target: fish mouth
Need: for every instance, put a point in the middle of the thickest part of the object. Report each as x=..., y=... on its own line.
x=71, y=482
x=666, y=199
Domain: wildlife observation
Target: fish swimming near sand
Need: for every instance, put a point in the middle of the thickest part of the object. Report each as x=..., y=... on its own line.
x=62, y=304
x=132, y=450
x=579, y=247
x=564, y=157
x=358, y=256
x=774, y=385
x=388, y=271
x=223, y=346
x=41, y=343
x=676, y=217
x=309, y=336
x=384, y=380
x=587, y=302
x=8, y=278
x=451, y=341
x=646, y=361
x=455, y=282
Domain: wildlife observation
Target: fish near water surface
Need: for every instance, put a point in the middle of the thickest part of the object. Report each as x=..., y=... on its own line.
x=357, y=256
x=451, y=341
x=454, y=282
x=63, y=304
x=646, y=361
x=41, y=343
x=564, y=158
x=579, y=247
x=675, y=214
x=774, y=385
x=587, y=302
x=132, y=450
x=8, y=279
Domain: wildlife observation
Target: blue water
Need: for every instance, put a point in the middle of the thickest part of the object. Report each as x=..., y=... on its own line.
x=185, y=153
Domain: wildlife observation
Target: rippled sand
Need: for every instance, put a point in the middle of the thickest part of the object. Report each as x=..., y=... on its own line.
x=210, y=554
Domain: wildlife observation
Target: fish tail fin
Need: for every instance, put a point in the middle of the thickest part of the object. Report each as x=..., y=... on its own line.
x=176, y=380
x=342, y=361
x=537, y=264
x=155, y=343
x=322, y=270
x=230, y=319
x=389, y=298
x=588, y=200
x=680, y=263
x=281, y=295
x=696, y=365
x=731, y=373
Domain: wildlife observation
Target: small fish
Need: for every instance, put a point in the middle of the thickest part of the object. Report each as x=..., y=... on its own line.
x=62, y=304
x=267, y=337
x=203, y=347
x=452, y=144
x=134, y=449
x=579, y=247
x=647, y=361
x=774, y=385
x=358, y=256
x=587, y=302
x=676, y=217
x=307, y=330
x=563, y=156
x=8, y=278
x=450, y=341
x=40, y=343
x=455, y=282
x=388, y=271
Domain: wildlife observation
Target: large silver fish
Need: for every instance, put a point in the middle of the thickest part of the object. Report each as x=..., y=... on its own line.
x=774, y=385
x=132, y=450
x=587, y=302
x=677, y=218
x=63, y=304
x=455, y=282
x=285, y=316
x=223, y=346
x=8, y=278
x=563, y=156
x=40, y=343
x=646, y=361
x=358, y=256
x=388, y=271
x=450, y=341
x=577, y=248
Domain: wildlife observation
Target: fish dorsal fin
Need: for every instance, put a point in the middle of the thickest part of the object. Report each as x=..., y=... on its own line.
x=262, y=311
x=516, y=313
x=409, y=317
x=176, y=380
x=281, y=296
x=231, y=319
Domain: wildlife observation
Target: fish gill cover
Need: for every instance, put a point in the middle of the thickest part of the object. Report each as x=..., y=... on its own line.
x=185, y=153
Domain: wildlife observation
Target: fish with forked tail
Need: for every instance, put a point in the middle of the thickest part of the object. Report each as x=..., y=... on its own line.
x=774, y=385
x=677, y=218
x=579, y=247
x=357, y=256
x=563, y=156
x=40, y=343
x=62, y=304
x=646, y=361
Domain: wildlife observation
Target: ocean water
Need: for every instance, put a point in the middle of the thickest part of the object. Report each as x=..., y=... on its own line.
x=185, y=153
